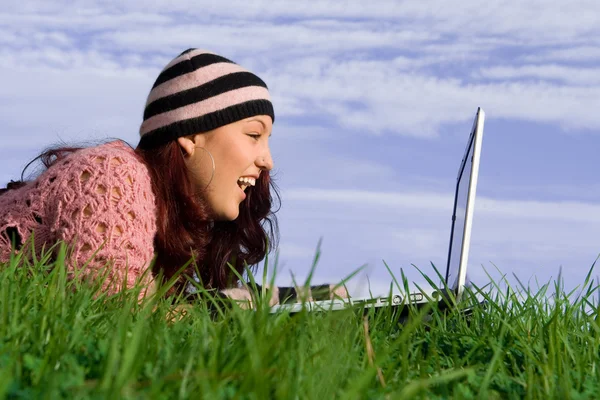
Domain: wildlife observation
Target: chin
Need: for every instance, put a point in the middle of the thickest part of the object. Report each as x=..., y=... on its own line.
x=230, y=215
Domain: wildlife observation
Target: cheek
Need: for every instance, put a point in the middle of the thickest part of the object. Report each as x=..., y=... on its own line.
x=201, y=172
x=234, y=159
x=235, y=162
x=224, y=191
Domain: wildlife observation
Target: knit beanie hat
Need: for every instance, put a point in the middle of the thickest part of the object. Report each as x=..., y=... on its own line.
x=199, y=91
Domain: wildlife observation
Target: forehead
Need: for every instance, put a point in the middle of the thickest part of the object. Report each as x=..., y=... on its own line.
x=264, y=120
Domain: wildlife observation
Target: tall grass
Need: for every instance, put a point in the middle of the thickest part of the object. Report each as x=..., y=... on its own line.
x=59, y=340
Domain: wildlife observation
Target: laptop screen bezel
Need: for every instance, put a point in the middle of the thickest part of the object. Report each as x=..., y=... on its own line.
x=474, y=142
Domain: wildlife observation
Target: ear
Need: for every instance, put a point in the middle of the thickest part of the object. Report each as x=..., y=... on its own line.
x=187, y=145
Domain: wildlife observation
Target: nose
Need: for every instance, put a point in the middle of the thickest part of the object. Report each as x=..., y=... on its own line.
x=265, y=161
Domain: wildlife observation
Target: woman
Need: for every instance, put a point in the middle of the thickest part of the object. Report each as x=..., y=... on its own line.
x=197, y=187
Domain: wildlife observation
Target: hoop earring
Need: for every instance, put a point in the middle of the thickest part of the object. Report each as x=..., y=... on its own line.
x=213, y=165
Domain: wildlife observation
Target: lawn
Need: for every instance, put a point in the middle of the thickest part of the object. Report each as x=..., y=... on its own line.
x=59, y=341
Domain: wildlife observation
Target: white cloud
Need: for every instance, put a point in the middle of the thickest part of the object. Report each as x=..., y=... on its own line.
x=492, y=18
x=372, y=74
x=47, y=105
x=570, y=75
x=570, y=54
x=569, y=211
x=417, y=105
x=358, y=198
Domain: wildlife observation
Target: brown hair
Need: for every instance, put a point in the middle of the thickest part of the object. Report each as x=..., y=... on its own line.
x=183, y=229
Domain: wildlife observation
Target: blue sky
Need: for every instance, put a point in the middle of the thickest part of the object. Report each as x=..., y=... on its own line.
x=373, y=108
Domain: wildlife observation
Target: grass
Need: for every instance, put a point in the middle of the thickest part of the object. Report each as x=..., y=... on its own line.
x=59, y=341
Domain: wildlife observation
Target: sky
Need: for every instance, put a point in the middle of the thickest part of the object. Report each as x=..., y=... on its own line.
x=374, y=103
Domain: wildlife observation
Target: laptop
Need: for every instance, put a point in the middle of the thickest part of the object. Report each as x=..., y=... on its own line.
x=458, y=251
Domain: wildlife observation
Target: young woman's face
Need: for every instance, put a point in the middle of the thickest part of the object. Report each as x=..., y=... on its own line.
x=240, y=151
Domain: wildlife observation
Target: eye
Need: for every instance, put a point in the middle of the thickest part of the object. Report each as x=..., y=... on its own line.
x=255, y=136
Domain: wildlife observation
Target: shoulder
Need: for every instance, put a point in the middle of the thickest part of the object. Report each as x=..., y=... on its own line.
x=104, y=157
x=105, y=180
x=113, y=164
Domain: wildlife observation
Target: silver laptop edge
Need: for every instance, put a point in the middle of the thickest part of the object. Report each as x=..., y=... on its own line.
x=426, y=295
x=477, y=131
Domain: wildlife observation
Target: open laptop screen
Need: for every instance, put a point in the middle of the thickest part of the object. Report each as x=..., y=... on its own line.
x=458, y=223
x=463, y=210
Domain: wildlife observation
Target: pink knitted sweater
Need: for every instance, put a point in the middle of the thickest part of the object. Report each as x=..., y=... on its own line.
x=96, y=198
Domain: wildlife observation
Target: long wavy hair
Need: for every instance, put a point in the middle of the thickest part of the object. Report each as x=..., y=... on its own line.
x=184, y=231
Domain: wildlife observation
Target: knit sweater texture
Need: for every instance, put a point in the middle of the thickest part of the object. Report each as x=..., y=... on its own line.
x=99, y=202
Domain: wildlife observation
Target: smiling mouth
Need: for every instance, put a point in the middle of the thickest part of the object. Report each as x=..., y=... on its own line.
x=244, y=183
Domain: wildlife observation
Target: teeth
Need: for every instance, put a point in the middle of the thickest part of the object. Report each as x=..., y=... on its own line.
x=248, y=181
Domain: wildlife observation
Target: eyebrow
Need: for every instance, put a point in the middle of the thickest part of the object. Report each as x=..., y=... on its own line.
x=262, y=123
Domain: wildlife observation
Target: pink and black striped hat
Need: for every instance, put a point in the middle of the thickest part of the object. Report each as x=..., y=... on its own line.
x=199, y=91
